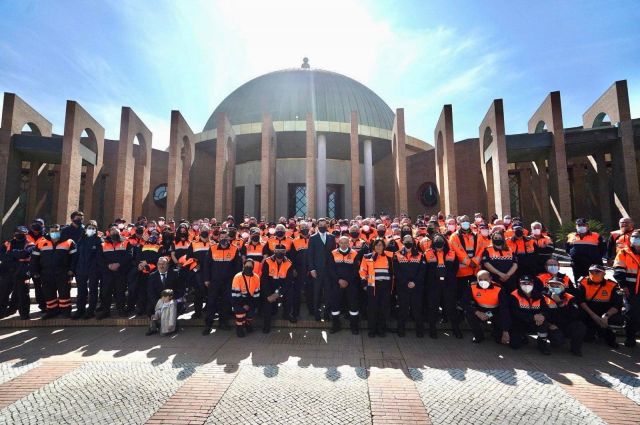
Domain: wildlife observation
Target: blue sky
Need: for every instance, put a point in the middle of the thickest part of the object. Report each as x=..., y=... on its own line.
x=156, y=55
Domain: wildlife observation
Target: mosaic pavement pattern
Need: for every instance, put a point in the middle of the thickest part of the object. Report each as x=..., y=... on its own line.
x=103, y=393
x=497, y=397
x=281, y=395
x=8, y=371
x=628, y=386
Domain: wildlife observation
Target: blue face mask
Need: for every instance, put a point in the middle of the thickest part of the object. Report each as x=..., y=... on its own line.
x=556, y=290
x=54, y=235
x=465, y=225
x=635, y=241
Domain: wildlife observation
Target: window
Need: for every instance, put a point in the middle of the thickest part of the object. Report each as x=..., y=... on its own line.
x=334, y=200
x=297, y=200
x=160, y=195
x=428, y=194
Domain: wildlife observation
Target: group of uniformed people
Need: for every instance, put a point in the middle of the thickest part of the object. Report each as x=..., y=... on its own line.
x=492, y=273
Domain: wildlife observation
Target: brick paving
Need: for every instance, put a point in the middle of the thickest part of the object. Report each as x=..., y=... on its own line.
x=117, y=375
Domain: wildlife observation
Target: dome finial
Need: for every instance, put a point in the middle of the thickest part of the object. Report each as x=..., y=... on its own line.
x=305, y=63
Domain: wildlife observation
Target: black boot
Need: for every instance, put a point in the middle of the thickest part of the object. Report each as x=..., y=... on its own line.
x=543, y=346
x=206, y=331
x=78, y=314
x=355, y=330
x=240, y=331
x=335, y=325
x=401, y=329
x=433, y=332
x=49, y=314
x=457, y=332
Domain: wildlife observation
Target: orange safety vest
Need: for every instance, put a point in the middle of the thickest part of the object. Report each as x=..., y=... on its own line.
x=256, y=253
x=552, y=304
x=521, y=246
x=486, y=298
x=275, y=270
x=591, y=238
x=527, y=303
x=300, y=244
x=600, y=293
x=348, y=258
x=373, y=270
x=273, y=242
x=224, y=254
x=629, y=261
x=242, y=285
x=465, y=247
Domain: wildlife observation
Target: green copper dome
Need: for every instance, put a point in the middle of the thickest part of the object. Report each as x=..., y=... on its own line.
x=289, y=94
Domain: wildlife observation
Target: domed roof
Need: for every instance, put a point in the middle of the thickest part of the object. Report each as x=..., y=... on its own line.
x=291, y=93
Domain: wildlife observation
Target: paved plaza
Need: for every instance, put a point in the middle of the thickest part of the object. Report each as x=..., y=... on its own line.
x=116, y=375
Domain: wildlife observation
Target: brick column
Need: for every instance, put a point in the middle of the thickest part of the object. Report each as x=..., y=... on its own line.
x=604, y=191
x=579, y=189
x=355, y=166
x=446, y=161
x=322, y=176
x=267, y=169
x=542, y=184
x=310, y=173
x=32, y=198
x=181, y=157
x=398, y=149
x=225, y=160
x=369, y=191
x=494, y=152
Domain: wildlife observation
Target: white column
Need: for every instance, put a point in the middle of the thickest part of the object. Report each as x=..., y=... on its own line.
x=369, y=191
x=321, y=170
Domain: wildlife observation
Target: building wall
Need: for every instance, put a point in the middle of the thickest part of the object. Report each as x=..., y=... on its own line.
x=420, y=170
x=472, y=196
x=201, y=184
x=383, y=176
x=159, y=175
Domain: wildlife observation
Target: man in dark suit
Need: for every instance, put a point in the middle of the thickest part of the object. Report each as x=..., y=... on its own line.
x=320, y=246
x=164, y=278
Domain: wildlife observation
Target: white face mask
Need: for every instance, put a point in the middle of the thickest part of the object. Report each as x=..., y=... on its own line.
x=120, y=226
x=527, y=289
x=272, y=231
x=553, y=269
x=161, y=223
x=507, y=221
x=91, y=232
x=478, y=219
x=581, y=229
x=484, y=232
x=556, y=290
x=484, y=284
x=536, y=232
x=635, y=241
x=365, y=228
x=451, y=227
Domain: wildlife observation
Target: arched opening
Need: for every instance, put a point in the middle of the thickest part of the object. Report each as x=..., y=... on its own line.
x=89, y=155
x=140, y=159
x=487, y=139
x=602, y=120
x=31, y=129
x=541, y=127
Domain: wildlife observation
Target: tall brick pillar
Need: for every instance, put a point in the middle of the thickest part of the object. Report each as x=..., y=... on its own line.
x=549, y=113
x=76, y=121
x=268, y=169
x=310, y=173
x=16, y=113
x=493, y=159
x=355, y=166
x=133, y=168
x=181, y=158
x=398, y=150
x=446, y=161
x=369, y=190
x=615, y=103
x=225, y=167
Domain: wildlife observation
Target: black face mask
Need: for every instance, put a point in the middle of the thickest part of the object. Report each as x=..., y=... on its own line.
x=184, y=235
x=114, y=236
x=409, y=245
x=204, y=234
x=36, y=228
x=336, y=233
x=20, y=237
x=280, y=234
x=139, y=232
x=304, y=232
x=354, y=234
x=381, y=233
x=232, y=234
x=279, y=255
x=519, y=233
x=322, y=229
x=248, y=270
x=224, y=244
x=78, y=221
x=255, y=238
x=498, y=242
x=431, y=230
x=438, y=244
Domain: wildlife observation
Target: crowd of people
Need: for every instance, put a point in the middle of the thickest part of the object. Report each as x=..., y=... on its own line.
x=495, y=273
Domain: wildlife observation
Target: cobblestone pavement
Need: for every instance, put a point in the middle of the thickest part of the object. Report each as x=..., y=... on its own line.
x=116, y=375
